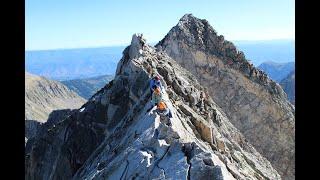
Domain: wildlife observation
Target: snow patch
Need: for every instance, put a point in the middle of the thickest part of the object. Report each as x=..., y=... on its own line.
x=82, y=109
x=163, y=142
x=148, y=156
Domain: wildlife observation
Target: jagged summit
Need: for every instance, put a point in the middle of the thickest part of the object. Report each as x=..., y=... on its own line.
x=189, y=20
x=254, y=103
x=201, y=35
x=113, y=136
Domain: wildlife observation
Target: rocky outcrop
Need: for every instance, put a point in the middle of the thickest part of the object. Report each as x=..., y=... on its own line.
x=32, y=126
x=42, y=96
x=113, y=136
x=288, y=85
x=255, y=104
x=35, y=128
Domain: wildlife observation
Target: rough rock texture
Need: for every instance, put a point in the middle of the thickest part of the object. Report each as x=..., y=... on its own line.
x=32, y=126
x=42, y=96
x=255, y=104
x=113, y=136
x=288, y=85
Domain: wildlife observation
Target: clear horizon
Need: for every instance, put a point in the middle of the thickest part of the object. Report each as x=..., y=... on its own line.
x=54, y=25
x=124, y=45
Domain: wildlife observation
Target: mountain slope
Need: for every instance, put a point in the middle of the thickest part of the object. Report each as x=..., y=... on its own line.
x=255, y=104
x=288, y=85
x=277, y=71
x=89, y=86
x=42, y=96
x=113, y=136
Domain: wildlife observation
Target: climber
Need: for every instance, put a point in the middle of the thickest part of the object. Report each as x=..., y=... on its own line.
x=155, y=81
x=201, y=102
x=156, y=96
x=163, y=110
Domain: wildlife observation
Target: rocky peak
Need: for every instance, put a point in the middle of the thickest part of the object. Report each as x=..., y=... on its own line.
x=137, y=44
x=200, y=35
x=252, y=101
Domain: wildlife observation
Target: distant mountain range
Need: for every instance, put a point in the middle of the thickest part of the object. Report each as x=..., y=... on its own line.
x=288, y=85
x=280, y=51
x=67, y=64
x=277, y=71
x=88, y=86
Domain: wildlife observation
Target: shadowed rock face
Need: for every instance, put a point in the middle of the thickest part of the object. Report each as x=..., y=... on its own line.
x=34, y=128
x=113, y=136
x=255, y=104
x=42, y=98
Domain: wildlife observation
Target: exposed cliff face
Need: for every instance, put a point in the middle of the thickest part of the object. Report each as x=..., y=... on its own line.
x=34, y=128
x=255, y=104
x=42, y=96
x=113, y=136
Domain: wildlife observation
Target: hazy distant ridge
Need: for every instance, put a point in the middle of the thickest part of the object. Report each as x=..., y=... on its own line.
x=87, y=87
x=73, y=63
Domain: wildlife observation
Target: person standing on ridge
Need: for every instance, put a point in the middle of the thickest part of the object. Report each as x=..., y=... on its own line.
x=156, y=96
x=164, y=111
x=155, y=81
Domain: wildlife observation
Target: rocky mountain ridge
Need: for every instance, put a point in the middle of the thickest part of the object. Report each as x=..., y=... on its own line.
x=255, y=104
x=44, y=95
x=113, y=136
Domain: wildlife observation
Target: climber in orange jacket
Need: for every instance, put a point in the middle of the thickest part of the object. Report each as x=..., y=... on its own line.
x=163, y=110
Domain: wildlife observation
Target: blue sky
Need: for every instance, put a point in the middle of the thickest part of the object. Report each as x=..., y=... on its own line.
x=53, y=24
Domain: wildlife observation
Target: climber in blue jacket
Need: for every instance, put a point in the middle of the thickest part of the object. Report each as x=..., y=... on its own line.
x=155, y=81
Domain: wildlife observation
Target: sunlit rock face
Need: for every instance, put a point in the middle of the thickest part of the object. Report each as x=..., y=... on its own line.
x=254, y=104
